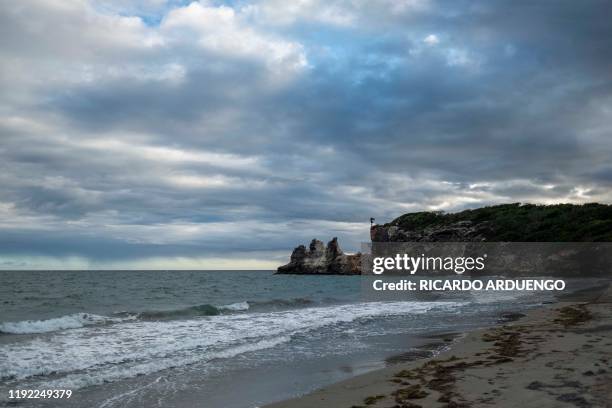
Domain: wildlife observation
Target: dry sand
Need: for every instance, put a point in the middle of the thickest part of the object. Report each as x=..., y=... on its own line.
x=557, y=356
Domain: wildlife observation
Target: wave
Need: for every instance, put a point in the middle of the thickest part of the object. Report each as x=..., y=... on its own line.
x=280, y=303
x=191, y=311
x=120, y=372
x=73, y=321
x=79, y=320
x=113, y=352
x=207, y=309
x=236, y=307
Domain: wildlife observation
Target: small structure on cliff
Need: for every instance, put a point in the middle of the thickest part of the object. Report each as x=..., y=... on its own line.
x=322, y=260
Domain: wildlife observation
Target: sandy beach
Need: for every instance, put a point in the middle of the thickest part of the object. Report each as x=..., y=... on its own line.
x=559, y=355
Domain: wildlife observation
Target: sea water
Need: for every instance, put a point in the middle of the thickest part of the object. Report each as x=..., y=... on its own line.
x=208, y=338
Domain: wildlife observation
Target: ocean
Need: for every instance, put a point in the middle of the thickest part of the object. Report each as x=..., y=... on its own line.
x=230, y=339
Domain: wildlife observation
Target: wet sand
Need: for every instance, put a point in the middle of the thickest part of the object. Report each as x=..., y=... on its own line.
x=559, y=355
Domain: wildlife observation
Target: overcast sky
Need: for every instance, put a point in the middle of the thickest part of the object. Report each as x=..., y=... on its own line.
x=169, y=134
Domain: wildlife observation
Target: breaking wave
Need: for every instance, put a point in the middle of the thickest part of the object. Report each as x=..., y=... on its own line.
x=73, y=321
x=79, y=320
x=110, y=352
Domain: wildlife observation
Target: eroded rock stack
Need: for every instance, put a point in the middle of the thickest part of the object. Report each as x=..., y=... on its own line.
x=322, y=260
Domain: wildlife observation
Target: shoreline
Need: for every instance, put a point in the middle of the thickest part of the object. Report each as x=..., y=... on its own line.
x=558, y=355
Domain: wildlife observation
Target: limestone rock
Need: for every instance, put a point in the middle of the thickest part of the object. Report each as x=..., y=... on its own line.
x=322, y=260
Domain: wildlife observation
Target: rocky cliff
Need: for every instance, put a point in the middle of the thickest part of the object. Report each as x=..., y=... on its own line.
x=460, y=231
x=503, y=223
x=322, y=260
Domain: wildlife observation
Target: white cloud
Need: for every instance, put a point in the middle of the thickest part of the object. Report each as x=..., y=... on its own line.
x=102, y=45
x=213, y=181
x=73, y=29
x=431, y=39
x=162, y=154
x=224, y=31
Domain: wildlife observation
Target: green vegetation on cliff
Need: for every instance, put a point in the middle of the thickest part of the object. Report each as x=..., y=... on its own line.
x=524, y=222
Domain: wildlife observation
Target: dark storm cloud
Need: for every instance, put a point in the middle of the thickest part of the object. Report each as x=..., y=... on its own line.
x=205, y=131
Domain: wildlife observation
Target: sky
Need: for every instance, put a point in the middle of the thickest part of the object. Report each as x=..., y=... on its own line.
x=166, y=134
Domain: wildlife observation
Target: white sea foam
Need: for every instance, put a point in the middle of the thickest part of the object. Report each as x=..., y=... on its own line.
x=119, y=372
x=94, y=354
x=235, y=307
x=72, y=321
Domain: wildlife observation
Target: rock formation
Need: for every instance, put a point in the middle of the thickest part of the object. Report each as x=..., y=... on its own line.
x=321, y=260
x=500, y=223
